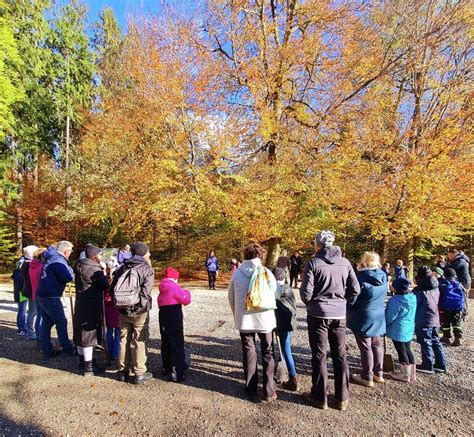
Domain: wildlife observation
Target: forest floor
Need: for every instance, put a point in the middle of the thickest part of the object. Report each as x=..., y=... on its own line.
x=39, y=397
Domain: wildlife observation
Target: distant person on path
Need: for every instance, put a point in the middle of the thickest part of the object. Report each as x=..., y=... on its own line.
x=460, y=263
x=286, y=325
x=87, y=322
x=124, y=254
x=400, y=270
x=284, y=263
x=170, y=301
x=212, y=267
x=440, y=261
x=400, y=319
x=296, y=264
x=56, y=273
x=366, y=319
x=135, y=277
x=251, y=324
x=452, y=304
x=427, y=323
x=328, y=280
x=35, y=273
x=386, y=270
x=28, y=253
x=21, y=301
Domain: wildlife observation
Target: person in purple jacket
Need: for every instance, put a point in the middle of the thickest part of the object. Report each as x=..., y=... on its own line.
x=212, y=267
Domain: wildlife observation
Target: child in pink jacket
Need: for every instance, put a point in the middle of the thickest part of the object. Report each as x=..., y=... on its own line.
x=170, y=301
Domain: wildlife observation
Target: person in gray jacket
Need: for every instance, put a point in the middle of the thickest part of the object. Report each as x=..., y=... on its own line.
x=328, y=281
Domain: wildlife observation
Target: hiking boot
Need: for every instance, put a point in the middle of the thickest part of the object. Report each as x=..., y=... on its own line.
x=412, y=372
x=144, y=377
x=379, y=379
x=54, y=354
x=357, y=379
x=71, y=353
x=404, y=374
x=314, y=402
x=91, y=369
x=342, y=405
x=122, y=375
x=457, y=342
x=445, y=340
x=81, y=361
x=291, y=384
x=420, y=368
x=440, y=369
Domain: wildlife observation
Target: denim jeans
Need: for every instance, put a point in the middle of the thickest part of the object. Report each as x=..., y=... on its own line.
x=432, y=351
x=38, y=320
x=285, y=341
x=52, y=312
x=113, y=342
x=21, y=316
x=30, y=318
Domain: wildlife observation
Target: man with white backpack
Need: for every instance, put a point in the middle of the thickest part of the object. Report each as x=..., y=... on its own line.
x=132, y=287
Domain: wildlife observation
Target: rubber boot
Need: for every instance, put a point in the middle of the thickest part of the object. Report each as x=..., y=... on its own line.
x=404, y=374
x=412, y=372
x=457, y=342
x=291, y=384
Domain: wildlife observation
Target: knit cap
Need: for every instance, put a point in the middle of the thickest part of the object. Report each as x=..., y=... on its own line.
x=171, y=273
x=29, y=251
x=440, y=271
x=325, y=238
x=424, y=272
x=279, y=273
x=450, y=274
x=91, y=251
x=401, y=284
x=139, y=248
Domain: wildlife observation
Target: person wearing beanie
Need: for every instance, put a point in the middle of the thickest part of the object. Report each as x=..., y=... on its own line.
x=285, y=314
x=328, y=280
x=170, y=301
x=400, y=319
x=136, y=275
x=438, y=273
x=26, y=292
x=87, y=323
x=427, y=323
x=452, y=307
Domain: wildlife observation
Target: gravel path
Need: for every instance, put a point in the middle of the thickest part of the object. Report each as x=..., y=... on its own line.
x=39, y=397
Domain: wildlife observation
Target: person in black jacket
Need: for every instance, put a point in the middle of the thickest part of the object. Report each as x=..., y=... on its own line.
x=296, y=264
x=91, y=283
x=134, y=320
x=460, y=263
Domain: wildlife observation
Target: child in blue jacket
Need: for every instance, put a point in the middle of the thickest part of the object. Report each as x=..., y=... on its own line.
x=400, y=320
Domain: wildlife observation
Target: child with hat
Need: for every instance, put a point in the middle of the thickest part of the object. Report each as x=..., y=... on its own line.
x=170, y=301
x=400, y=320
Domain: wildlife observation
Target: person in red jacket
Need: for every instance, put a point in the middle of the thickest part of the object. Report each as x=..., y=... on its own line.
x=170, y=301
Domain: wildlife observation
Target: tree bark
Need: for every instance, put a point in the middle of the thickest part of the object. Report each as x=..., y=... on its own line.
x=408, y=254
x=19, y=202
x=382, y=248
x=273, y=251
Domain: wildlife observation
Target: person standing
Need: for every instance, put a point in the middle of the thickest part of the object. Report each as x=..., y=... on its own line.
x=284, y=263
x=296, y=264
x=91, y=283
x=212, y=267
x=137, y=276
x=21, y=301
x=254, y=323
x=328, y=281
x=427, y=323
x=460, y=263
x=124, y=254
x=400, y=270
x=440, y=262
x=56, y=273
x=366, y=319
x=27, y=292
x=36, y=267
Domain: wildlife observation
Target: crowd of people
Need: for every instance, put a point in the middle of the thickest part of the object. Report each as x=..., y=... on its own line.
x=113, y=303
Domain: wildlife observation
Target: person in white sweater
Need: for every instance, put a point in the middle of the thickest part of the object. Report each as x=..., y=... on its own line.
x=251, y=323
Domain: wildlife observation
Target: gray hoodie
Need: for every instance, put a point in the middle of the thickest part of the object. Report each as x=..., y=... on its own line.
x=328, y=280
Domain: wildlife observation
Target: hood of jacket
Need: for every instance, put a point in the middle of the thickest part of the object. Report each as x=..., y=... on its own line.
x=374, y=277
x=135, y=260
x=330, y=255
x=428, y=283
x=463, y=256
x=249, y=266
x=86, y=266
x=51, y=255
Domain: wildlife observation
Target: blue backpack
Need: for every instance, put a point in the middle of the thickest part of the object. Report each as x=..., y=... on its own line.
x=452, y=297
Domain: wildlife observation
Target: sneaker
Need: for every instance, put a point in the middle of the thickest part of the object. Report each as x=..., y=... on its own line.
x=342, y=405
x=269, y=399
x=440, y=370
x=54, y=354
x=22, y=333
x=142, y=378
x=32, y=337
x=379, y=379
x=420, y=368
x=357, y=379
x=314, y=402
x=71, y=353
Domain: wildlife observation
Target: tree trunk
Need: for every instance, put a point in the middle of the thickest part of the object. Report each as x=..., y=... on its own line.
x=273, y=251
x=19, y=201
x=408, y=253
x=382, y=248
x=66, y=163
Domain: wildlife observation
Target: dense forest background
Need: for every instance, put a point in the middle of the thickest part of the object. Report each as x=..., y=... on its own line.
x=241, y=120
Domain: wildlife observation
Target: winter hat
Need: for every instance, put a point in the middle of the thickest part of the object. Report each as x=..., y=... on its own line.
x=29, y=251
x=450, y=274
x=439, y=270
x=424, y=272
x=171, y=273
x=401, y=284
x=279, y=273
x=91, y=251
x=325, y=238
x=139, y=248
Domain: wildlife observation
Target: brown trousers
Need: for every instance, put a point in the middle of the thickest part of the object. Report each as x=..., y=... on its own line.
x=134, y=334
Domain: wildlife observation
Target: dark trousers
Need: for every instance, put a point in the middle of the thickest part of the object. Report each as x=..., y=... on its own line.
x=432, y=351
x=320, y=331
x=52, y=313
x=172, y=339
x=454, y=319
x=294, y=278
x=405, y=355
x=250, y=363
x=211, y=276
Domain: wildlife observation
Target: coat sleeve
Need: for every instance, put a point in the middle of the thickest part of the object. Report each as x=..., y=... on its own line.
x=148, y=282
x=352, y=286
x=100, y=280
x=231, y=296
x=182, y=296
x=62, y=271
x=307, y=285
x=391, y=312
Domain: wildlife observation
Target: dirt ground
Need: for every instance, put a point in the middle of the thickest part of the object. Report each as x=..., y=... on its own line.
x=41, y=397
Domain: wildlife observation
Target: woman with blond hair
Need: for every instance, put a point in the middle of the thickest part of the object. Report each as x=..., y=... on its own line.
x=366, y=319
